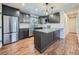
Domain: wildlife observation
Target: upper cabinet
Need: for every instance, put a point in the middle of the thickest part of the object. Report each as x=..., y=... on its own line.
x=54, y=18
x=24, y=18
x=10, y=11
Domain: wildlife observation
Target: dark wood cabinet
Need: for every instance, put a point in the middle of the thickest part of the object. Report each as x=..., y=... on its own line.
x=56, y=34
x=24, y=18
x=43, y=40
x=23, y=33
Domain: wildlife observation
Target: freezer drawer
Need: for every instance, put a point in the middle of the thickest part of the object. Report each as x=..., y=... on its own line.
x=14, y=37
x=24, y=33
x=7, y=39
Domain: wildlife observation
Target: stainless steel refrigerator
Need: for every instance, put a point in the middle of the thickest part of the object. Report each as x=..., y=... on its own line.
x=0, y=30
x=10, y=29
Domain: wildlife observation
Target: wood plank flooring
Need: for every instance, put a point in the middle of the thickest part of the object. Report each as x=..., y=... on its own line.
x=67, y=46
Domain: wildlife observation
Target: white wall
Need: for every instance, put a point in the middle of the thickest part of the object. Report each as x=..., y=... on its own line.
x=77, y=25
x=72, y=25
x=64, y=23
x=72, y=20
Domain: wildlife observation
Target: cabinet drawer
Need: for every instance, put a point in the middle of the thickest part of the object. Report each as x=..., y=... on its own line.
x=24, y=34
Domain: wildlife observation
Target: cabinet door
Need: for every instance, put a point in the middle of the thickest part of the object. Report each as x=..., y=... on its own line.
x=21, y=34
x=62, y=33
x=26, y=34
x=7, y=39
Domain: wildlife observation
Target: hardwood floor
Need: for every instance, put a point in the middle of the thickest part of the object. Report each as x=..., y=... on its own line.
x=67, y=46
x=22, y=47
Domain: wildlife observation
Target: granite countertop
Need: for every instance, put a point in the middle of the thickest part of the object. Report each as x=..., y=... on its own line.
x=48, y=30
x=23, y=29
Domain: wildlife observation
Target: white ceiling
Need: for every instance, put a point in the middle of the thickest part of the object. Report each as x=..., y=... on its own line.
x=39, y=8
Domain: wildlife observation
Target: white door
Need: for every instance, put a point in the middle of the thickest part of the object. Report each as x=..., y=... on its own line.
x=72, y=25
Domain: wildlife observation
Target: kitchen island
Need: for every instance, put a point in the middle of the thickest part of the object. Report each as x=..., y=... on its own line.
x=43, y=38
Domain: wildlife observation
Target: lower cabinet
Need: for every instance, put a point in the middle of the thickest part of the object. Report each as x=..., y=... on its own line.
x=23, y=33
x=56, y=34
x=42, y=40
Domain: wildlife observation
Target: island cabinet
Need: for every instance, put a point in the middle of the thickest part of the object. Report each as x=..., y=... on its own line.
x=42, y=40
x=56, y=35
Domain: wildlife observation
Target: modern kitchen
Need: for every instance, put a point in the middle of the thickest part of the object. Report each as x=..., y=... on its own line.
x=45, y=23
